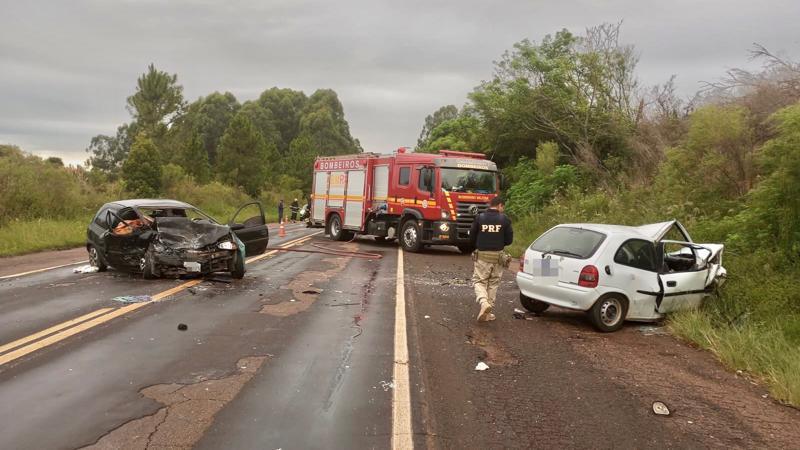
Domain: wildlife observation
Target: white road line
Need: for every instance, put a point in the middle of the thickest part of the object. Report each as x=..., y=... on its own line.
x=402, y=437
x=42, y=270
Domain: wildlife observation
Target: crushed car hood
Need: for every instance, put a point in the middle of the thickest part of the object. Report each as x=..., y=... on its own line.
x=180, y=233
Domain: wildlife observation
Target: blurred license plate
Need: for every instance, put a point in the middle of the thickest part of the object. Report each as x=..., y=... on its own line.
x=192, y=266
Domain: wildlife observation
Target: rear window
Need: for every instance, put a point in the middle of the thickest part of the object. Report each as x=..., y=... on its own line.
x=568, y=241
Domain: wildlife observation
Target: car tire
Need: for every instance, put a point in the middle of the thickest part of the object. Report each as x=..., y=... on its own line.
x=466, y=248
x=237, y=266
x=411, y=236
x=608, y=313
x=533, y=305
x=96, y=259
x=148, y=265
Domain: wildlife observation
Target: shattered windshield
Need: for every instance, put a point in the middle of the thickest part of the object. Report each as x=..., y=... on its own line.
x=469, y=180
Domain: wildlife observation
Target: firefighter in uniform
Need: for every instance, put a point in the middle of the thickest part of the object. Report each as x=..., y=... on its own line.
x=491, y=232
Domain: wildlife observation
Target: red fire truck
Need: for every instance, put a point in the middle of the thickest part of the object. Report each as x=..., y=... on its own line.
x=419, y=198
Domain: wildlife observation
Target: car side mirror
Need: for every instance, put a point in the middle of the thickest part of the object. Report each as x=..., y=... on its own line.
x=237, y=226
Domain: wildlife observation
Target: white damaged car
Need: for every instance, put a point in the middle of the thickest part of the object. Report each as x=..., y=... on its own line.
x=617, y=273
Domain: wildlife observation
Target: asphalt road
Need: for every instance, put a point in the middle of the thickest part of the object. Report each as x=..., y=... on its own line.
x=303, y=353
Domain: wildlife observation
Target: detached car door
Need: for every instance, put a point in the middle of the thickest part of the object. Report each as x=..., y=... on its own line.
x=685, y=276
x=250, y=227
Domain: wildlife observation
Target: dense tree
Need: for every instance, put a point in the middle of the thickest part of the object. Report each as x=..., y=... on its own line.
x=141, y=172
x=109, y=152
x=462, y=132
x=323, y=122
x=207, y=117
x=286, y=106
x=574, y=90
x=445, y=113
x=158, y=98
x=194, y=159
x=244, y=156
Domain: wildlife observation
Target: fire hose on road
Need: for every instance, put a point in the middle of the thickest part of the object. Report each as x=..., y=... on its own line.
x=321, y=249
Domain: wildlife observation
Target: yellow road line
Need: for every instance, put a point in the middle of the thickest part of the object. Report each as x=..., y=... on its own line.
x=19, y=353
x=101, y=316
x=402, y=437
x=42, y=270
x=53, y=329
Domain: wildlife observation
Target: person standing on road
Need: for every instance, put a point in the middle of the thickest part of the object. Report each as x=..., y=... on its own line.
x=491, y=232
x=280, y=211
x=295, y=207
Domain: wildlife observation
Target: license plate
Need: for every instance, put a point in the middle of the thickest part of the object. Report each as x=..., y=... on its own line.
x=192, y=266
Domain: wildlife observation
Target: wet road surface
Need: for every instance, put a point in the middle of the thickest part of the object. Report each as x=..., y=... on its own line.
x=300, y=354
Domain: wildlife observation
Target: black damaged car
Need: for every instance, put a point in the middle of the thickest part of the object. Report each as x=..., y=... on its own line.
x=172, y=238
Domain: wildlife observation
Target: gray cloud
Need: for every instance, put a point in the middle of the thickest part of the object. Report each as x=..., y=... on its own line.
x=67, y=67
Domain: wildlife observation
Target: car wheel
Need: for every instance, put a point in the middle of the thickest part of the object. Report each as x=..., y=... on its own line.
x=608, y=313
x=147, y=265
x=466, y=248
x=237, y=266
x=410, y=237
x=95, y=260
x=533, y=305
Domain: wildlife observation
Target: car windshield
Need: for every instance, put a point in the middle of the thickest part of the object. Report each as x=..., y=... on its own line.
x=469, y=180
x=193, y=214
x=569, y=241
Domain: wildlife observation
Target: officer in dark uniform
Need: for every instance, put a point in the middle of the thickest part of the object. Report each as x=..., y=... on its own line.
x=491, y=232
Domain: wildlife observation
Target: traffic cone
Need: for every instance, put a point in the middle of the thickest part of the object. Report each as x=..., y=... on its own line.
x=281, y=230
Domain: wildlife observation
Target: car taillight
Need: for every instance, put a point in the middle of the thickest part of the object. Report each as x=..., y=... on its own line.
x=522, y=263
x=589, y=277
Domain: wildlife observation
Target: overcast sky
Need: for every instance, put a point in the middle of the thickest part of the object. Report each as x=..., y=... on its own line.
x=66, y=68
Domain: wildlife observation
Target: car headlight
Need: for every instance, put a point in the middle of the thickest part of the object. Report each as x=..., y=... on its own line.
x=445, y=214
x=444, y=227
x=227, y=245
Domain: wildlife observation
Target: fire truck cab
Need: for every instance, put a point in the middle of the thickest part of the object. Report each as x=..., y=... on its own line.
x=418, y=198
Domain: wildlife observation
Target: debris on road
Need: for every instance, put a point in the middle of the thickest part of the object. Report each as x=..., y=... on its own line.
x=219, y=280
x=183, y=327
x=427, y=317
x=520, y=314
x=312, y=291
x=386, y=385
x=650, y=330
x=132, y=298
x=660, y=409
x=481, y=366
x=85, y=269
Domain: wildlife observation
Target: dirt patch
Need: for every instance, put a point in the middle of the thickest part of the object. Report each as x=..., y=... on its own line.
x=702, y=396
x=189, y=409
x=301, y=299
x=493, y=352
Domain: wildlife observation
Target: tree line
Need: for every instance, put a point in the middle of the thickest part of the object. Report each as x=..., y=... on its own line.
x=264, y=144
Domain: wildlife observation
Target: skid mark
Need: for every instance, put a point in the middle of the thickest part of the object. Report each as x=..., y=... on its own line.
x=305, y=281
x=493, y=353
x=189, y=410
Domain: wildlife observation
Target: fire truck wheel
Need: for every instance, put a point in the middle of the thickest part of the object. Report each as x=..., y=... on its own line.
x=466, y=248
x=410, y=236
x=335, y=229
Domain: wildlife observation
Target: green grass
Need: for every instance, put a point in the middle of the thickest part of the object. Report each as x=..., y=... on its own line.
x=26, y=236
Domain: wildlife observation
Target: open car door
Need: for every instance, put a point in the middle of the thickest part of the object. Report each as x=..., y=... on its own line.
x=688, y=274
x=250, y=227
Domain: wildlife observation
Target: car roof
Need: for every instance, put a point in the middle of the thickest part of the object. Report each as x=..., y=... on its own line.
x=648, y=231
x=150, y=202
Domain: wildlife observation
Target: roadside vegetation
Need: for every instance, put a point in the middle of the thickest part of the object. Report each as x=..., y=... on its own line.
x=582, y=141
x=215, y=153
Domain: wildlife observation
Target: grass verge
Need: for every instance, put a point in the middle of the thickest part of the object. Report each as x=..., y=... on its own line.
x=26, y=236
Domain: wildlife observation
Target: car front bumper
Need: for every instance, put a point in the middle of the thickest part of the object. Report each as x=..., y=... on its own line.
x=193, y=261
